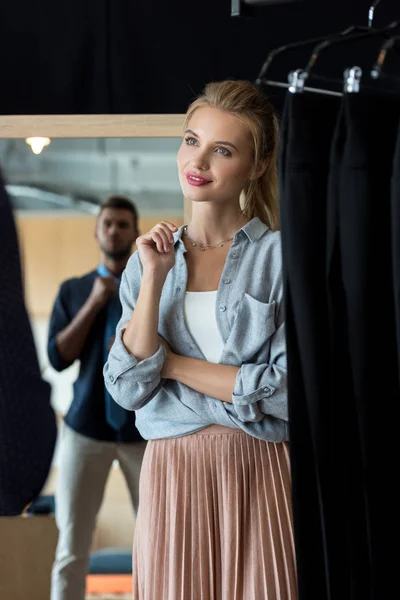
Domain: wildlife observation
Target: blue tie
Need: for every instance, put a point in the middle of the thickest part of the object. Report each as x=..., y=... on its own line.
x=116, y=415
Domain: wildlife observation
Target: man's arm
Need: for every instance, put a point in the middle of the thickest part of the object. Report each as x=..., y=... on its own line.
x=71, y=339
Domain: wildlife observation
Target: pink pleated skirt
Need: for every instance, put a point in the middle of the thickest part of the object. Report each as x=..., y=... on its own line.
x=214, y=519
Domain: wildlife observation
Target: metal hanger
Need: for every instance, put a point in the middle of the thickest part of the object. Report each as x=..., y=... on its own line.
x=312, y=41
x=351, y=76
x=297, y=78
x=356, y=72
x=371, y=12
x=296, y=83
x=392, y=43
x=351, y=83
x=352, y=80
x=321, y=40
x=317, y=50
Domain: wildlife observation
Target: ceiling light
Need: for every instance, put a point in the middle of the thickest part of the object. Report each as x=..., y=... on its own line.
x=37, y=143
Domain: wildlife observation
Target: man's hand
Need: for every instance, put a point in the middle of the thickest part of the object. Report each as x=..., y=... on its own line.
x=103, y=289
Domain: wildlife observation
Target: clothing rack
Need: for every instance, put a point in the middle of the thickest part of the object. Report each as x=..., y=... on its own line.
x=296, y=83
x=351, y=76
x=339, y=163
x=281, y=84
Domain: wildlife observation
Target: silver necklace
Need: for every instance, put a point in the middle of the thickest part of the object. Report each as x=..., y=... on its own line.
x=204, y=247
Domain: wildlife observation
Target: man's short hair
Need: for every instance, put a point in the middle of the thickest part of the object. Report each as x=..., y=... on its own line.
x=121, y=203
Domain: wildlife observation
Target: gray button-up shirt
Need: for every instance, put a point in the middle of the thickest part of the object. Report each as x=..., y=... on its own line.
x=249, y=315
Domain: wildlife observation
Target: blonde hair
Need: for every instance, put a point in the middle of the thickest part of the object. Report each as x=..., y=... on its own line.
x=253, y=109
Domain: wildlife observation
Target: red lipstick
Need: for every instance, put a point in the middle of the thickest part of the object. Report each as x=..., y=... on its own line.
x=196, y=180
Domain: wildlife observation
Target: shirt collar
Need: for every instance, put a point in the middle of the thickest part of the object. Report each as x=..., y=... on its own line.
x=254, y=229
x=104, y=272
x=178, y=234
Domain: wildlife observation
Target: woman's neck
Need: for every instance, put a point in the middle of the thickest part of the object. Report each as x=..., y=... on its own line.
x=209, y=225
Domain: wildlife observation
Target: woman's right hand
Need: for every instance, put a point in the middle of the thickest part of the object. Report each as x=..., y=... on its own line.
x=156, y=249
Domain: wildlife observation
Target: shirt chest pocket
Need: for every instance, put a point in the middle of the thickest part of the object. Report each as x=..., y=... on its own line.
x=252, y=329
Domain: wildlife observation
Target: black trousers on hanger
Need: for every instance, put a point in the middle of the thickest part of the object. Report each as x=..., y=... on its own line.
x=307, y=128
x=396, y=238
x=363, y=210
x=348, y=463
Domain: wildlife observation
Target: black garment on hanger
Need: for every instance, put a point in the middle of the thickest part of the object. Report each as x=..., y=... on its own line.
x=28, y=427
x=364, y=210
x=307, y=128
x=396, y=238
x=348, y=463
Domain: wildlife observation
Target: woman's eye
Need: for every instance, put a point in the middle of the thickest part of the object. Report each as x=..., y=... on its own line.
x=190, y=141
x=223, y=151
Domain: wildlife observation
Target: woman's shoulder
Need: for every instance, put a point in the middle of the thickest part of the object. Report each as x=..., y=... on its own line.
x=269, y=244
x=263, y=259
x=132, y=275
x=261, y=234
x=134, y=265
x=273, y=238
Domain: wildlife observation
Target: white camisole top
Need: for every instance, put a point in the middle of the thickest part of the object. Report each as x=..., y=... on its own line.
x=200, y=319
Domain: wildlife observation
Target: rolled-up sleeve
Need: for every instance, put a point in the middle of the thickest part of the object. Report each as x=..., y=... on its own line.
x=130, y=382
x=261, y=389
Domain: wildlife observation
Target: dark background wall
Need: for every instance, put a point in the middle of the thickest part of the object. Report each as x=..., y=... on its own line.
x=152, y=56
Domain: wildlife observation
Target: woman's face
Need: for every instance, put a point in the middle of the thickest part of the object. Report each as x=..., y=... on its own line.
x=215, y=160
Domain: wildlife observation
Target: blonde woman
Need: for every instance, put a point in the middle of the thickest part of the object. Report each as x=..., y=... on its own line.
x=200, y=355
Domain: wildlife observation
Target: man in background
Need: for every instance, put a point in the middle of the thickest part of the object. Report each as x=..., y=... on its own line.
x=27, y=422
x=96, y=430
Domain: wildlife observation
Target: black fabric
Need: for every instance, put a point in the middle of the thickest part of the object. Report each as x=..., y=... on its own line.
x=364, y=207
x=306, y=133
x=27, y=421
x=347, y=468
x=87, y=414
x=137, y=56
x=43, y=505
x=396, y=238
x=341, y=241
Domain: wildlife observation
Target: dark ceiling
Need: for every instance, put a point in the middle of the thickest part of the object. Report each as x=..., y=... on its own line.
x=153, y=56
